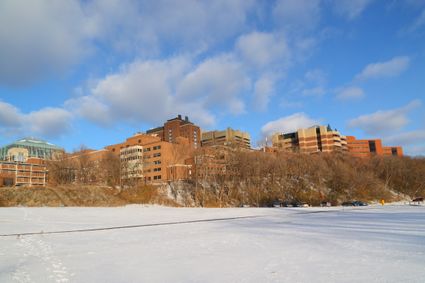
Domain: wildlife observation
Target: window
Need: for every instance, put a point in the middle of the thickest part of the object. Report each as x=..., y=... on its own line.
x=157, y=177
x=157, y=169
x=147, y=149
x=157, y=154
x=372, y=146
x=157, y=162
x=157, y=147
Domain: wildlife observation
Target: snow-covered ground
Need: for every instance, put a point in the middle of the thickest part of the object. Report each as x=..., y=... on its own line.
x=370, y=244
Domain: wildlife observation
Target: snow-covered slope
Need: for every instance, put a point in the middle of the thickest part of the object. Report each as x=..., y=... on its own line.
x=372, y=244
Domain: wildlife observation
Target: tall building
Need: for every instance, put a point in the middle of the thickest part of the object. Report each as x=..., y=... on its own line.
x=311, y=140
x=371, y=147
x=228, y=137
x=178, y=127
x=149, y=159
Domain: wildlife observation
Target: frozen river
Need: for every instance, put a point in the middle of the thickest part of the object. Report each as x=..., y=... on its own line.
x=160, y=244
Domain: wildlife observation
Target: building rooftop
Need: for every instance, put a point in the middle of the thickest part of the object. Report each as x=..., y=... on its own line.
x=31, y=141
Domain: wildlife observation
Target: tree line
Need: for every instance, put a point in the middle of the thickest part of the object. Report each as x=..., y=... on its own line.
x=230, y=177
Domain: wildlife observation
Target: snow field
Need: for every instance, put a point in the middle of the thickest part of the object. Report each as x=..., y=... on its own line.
x=372, y=244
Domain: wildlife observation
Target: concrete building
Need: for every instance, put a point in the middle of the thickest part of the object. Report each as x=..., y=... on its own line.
x=26, y=148
x=131, y=162
x=228, y=137
x=156, y=160
x=371, y=147
x=178, y=127
x=311, y=140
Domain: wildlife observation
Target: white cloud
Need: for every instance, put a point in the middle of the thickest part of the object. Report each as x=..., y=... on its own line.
x=391, y=68
x=350, y=93
x=10, y=116
x=288, y=124
x=295, y=15
x=154, y=90
x=216, y=82
x=46, y=122
x=315, y=91
x=317, y=76
x=384, y=122
x=47, y=37
x=263, y=90
x=39, y=37
x=263, y=49
x=350, y=8
x=407, y=138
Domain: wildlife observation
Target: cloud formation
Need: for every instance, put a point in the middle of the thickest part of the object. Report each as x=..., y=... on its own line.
x=350, y=8
x=154, y=90
x=288, y=124
x=39, y=38
x=384, y=122
x=350, y=93
x=47, y=122
x=45, y=37
x=387, y=69
x=261, y=49
x=297, y=15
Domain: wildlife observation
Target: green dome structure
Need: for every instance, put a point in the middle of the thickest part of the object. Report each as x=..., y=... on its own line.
x=36, y=149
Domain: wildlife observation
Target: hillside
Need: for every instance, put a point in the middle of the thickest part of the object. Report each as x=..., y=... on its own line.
x=73, y=195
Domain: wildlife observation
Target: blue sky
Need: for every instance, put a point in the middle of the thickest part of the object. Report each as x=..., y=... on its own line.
x=93, y=72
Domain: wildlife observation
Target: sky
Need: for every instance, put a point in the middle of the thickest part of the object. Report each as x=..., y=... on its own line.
x=94, y=72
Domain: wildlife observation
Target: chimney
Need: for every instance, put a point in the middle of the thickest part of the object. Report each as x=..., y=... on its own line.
x=186, y=118
x=179, y=116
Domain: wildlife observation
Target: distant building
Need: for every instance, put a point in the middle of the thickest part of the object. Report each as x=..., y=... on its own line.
x=26, y=148
x=131, y=162
x=178, y=127
x=149, y=159
x=22, y=163
x=228, y=137
x=311, y=140
x=32, y=172
x=371, y=147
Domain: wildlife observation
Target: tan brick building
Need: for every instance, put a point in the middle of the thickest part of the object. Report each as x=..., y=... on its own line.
x=157, y=160
x=371, y=147
x=228, y=137
x=178, y=127
x=31, y=173
x=311, y=140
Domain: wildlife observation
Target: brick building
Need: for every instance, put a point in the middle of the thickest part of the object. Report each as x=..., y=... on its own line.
x=31, y=173
x=155, y=160
x=311, y=140
x=228, y=137
x=371, y=147
x=22, y=163
x=178, y=127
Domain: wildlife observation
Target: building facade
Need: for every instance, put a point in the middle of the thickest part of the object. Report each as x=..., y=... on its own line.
x=32, y=172
x=154, y=160
x=371, y=147
x=311, y=140
x=26, y=148
x=178, y=127
x=228, y=137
